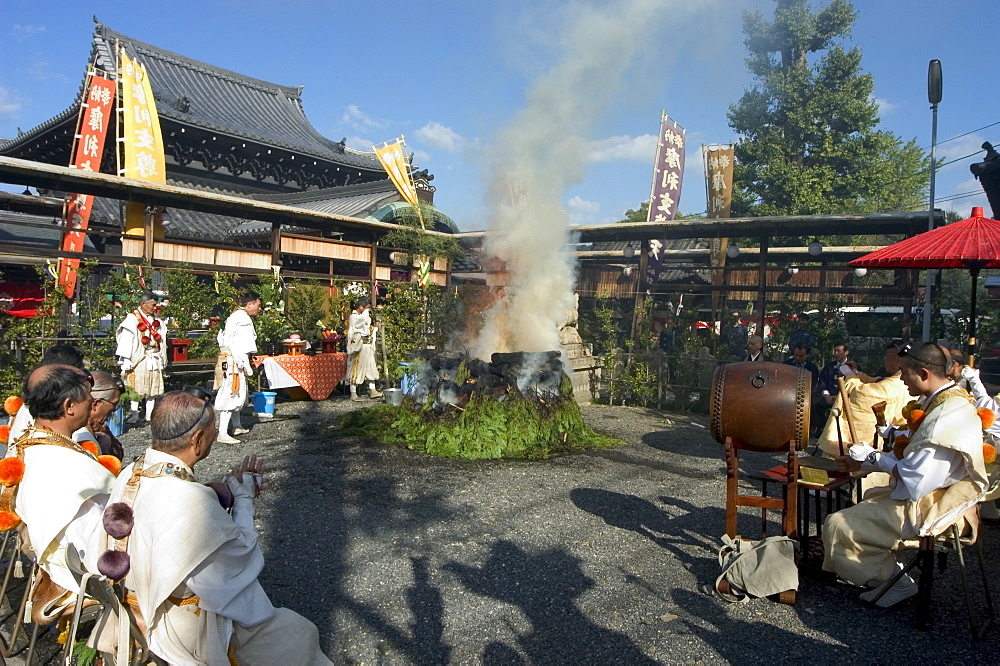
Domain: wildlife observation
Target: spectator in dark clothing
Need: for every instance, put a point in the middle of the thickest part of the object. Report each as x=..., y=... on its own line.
x=827, y=387
x=667, y=337
x=755, y=346
x=800, y=359
x=734, y=335
x=801, y=335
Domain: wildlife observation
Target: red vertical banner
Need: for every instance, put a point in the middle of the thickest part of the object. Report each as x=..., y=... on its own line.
x=92, y=130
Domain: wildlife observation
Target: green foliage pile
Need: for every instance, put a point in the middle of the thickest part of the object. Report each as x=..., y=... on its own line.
x=518, y=427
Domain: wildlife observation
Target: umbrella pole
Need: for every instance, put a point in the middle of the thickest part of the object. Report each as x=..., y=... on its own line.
x=971, y=347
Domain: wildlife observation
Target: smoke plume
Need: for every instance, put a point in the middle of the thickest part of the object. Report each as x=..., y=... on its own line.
x=542, y=153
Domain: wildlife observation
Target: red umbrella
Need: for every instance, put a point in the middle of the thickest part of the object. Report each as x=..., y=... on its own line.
x=973, y=243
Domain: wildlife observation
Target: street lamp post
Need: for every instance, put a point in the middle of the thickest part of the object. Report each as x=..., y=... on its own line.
x=934, y=97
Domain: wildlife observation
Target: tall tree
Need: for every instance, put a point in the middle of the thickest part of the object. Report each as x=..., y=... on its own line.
x=809, y=142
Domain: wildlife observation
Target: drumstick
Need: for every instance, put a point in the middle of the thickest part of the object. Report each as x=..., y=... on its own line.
x=836, y=412
x=847, y=411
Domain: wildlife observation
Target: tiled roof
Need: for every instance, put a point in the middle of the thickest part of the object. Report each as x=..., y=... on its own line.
x=15, y=236
x=224, y=101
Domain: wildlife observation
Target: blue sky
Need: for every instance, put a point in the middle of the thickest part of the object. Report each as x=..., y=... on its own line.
x=451, y=74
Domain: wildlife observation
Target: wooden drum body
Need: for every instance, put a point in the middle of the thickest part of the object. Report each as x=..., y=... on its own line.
x=761, y=406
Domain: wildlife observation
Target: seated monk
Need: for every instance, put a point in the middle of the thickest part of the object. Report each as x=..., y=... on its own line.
x=62, y=493
x=861, y=396
x=191, y=568
x=940, y=469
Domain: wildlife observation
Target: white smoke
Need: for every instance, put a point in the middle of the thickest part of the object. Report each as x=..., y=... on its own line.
x=543, y=152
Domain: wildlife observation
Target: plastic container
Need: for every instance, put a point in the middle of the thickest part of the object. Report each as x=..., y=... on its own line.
x=263, y=403
x=407, y=383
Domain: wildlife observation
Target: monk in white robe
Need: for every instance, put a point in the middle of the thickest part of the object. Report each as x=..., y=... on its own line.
x=940, y=469
x=237, y=343
x=142, y=339
x=61, y=497
x=193, y=567
x=361, y=364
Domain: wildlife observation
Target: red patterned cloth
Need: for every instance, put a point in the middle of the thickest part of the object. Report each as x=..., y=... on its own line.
x=318, y=375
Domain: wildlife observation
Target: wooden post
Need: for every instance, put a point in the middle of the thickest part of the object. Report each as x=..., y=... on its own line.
x=374, y=265
x=275, y=244
x=762, y=286
x=147, y=236
x=640, y=293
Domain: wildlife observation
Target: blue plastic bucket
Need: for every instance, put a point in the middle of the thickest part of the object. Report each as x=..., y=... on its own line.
x=263, y=403
x=116, y=421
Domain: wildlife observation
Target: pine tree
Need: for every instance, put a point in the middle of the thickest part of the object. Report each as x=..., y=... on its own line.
x=809, y=139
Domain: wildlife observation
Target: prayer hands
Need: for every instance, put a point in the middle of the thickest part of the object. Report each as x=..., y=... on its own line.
x=250, y=474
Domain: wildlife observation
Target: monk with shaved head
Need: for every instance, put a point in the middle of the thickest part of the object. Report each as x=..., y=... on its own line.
x=61, y=497
x=191, y=568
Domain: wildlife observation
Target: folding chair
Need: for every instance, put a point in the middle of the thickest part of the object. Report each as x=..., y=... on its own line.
x=940, y=536
x=13, y=559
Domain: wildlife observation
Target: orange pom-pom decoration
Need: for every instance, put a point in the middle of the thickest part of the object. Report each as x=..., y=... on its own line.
x=111, y=463
x=9, y=520
x=4, y=434
x=11, y=471
x=989, y=453
x=987, y=416
x=916, y=416
x=12, y=405
x=90, y=447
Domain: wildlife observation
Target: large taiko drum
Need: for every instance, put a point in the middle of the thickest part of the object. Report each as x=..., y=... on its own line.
x=761, y=405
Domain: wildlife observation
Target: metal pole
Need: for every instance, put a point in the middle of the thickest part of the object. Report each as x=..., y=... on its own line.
x=933, y=96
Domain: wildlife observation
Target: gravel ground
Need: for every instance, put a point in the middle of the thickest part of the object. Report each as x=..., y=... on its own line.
x=593, y=557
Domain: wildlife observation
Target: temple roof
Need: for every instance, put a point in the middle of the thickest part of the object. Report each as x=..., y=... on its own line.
x=197, y=93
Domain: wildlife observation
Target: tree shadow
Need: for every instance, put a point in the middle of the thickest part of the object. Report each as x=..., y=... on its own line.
x=544, y=587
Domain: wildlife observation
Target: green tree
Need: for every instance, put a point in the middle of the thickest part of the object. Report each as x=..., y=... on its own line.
x=809, y=142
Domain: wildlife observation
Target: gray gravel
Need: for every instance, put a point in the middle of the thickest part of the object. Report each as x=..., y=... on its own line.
x=593, y=557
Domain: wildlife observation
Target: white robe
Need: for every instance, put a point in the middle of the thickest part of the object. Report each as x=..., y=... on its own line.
x=941, y=468
x=61, y=502
x=185, y=544
x=361, y=364
x=237, y=342
x=148, y=361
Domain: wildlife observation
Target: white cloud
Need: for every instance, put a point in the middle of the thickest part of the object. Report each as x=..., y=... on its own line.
x=885, y=107
x=355, y=118
x=360, y=143
x=40, y=70
x=582, y=211
x=23, y=32
x=971, y=194
x=10, y=104
x=631, y=148
x=420, y=157
x=441, y=137
x=966, y=150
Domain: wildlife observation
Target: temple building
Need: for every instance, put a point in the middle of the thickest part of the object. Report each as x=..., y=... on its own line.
x=230, y=134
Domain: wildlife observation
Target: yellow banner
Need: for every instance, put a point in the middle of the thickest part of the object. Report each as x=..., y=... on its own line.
x=141, y=139
x=394, y=162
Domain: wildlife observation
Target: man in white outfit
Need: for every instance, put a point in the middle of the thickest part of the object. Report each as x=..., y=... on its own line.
x=361, y=364
x=192, y=567
x=237, y=343
x=142, y=339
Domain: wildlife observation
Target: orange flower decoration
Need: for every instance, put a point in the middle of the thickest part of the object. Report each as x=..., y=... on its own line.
x=908, y=409
x=4, y=434
x=12, y=405
x=111, y=463
x=899, y=445
x=11, y=471
x=9, y=520
x=987, y=417
x=90, y=447
x=916, y=416
x=989, y=453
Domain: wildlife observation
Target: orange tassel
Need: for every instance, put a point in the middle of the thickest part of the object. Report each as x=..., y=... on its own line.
x=12, y=405
x=4, y=434
x=987, y=417
x=989, y=453
x=899, y=445
x=111, y=463
x=11, y=471
x=9, y=520
x=91, y=448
